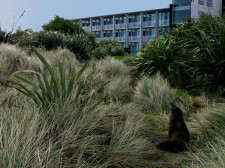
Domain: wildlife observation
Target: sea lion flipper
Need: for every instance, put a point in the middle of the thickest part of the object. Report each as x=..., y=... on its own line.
x=157, y=141
x=172, y=146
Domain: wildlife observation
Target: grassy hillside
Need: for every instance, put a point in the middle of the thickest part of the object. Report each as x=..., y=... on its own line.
x=130, y=113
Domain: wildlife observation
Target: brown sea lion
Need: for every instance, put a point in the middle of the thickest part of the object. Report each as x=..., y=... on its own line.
x=179, y=136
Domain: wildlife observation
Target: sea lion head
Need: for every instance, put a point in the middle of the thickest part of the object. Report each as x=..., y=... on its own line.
x=176, y=111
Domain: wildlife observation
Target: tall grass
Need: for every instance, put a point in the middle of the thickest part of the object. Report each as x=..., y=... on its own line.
x=120, y=87
x=12, y=59
x=66, y=136
x=56, y=92
x=209, y=151
x=153, y=93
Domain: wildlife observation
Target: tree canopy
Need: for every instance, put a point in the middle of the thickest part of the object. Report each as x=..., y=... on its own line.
x=63, y=25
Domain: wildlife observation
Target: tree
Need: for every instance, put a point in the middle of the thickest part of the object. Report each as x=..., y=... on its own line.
x=64, y=26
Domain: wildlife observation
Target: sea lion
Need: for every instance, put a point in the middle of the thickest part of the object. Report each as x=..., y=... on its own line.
x=179, y=136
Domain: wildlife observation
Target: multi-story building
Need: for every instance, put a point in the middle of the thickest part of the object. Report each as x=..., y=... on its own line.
x=132, y=30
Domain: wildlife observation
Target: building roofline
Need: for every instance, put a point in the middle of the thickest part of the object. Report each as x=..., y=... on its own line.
x=161, y=9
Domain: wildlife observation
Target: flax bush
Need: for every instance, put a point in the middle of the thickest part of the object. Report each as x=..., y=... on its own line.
x=168, y=57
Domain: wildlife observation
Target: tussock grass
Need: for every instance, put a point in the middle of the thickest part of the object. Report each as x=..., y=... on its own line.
x=153, y=93
x=115, y=134
x=23, y=141
x=12, y=59
x=119, y=89
x=107, y=136
x=120, y=86
x=113, y=68
x=124, y=126
x=209, y=150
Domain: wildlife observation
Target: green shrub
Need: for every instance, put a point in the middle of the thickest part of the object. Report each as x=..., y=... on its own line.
x=80, y=45
x=62, y=25
x=107, y=48
x=207, y=37
x=211, y=51
x=48, y=40
x=67, y=27
x=119, y=50
x=22, y=37
x=105, y=42
x=5, y=37
x=168, y=57
x=99, y=53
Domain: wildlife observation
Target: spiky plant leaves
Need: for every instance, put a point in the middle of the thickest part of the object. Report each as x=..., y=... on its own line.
x=167, y=56
x=47, y=93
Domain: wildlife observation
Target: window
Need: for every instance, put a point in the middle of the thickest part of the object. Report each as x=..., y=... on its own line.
x=200, y=13
x=120, y=33
x=178, y=3
x=201, y=2
x=209, y=3
x=149, y=32
x=108, y=34
x=120, y=19
x=108, y=21
x=134, y=18
x=164, y=18
x=96, y=22
x=97, y=34
x=134, y=32
x=122, y=44
x=149, y=17
x=181, y=15
x=85, y=23
x=134, y=47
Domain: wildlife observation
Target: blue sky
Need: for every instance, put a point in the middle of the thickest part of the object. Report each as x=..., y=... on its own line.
x=39, y=12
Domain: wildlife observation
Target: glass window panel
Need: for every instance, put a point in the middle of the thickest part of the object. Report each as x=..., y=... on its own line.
x=178, y=3
x=181, y=15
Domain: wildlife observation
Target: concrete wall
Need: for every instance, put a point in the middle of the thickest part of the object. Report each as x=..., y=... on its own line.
x=216, y=8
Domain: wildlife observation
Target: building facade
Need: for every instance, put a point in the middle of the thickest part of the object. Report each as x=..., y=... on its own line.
x=132, y=30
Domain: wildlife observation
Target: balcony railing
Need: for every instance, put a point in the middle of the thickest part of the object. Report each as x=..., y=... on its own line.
x=134, y=25
x=97, y=39
x=164, y=23
x=134, y=38
x=96, y=28
x=108, y=27
x=149, y=24
x=120, y=39
x=87, y=28
x=148, y=38
x=120, y=26
x=108, y=38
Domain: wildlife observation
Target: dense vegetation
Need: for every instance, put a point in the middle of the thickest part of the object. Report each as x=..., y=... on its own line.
x=62, y=33
x=59, y=111
x=191, y=56
x=107, y=47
